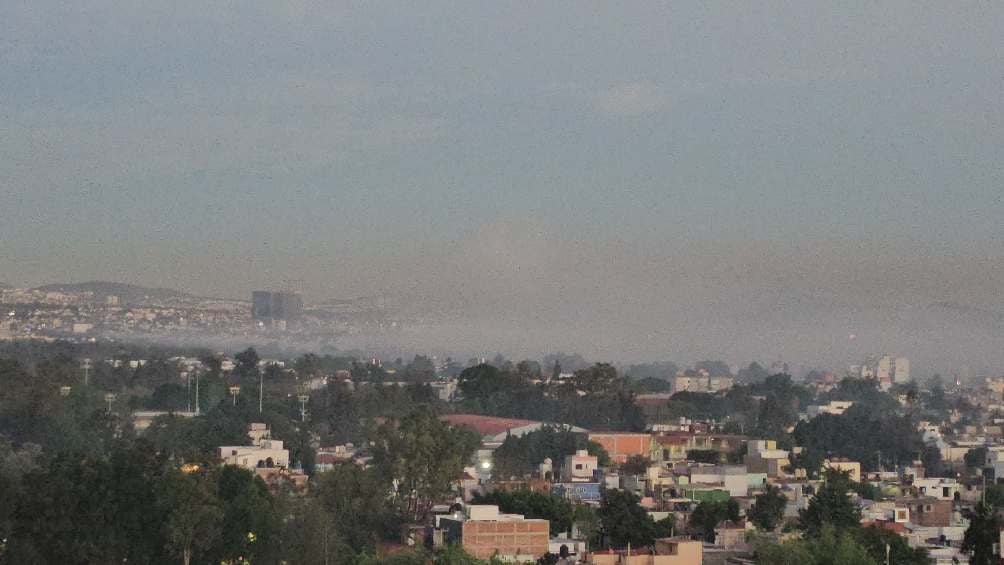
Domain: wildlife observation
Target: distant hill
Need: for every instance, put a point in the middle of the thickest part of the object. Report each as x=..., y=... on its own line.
x=127, y=293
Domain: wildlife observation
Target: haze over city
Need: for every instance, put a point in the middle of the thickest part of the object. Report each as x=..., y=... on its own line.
x=812, y=183
x=305, y=282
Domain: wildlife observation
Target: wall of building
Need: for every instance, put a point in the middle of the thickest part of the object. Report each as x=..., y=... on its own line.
x=482, y=539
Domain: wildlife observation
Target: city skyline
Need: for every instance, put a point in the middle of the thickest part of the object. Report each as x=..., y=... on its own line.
x=717, y=181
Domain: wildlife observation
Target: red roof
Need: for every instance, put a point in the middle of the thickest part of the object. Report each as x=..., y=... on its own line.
x=486, y=425
x=886, y=525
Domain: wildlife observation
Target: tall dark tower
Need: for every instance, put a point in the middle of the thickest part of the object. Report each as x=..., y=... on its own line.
x=269, y=306
x=261, y=305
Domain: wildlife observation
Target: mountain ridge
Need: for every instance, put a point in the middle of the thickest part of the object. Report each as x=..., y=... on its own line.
x=127, y=293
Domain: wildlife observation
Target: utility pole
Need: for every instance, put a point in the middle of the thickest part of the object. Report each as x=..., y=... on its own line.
x=261, y=389
x=325, y=544
x=303, y=398
x=188, y=391
x=196, y=391
x=87, y=370
x=234, y=390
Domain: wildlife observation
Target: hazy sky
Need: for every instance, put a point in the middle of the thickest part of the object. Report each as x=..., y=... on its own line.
x=680, y=168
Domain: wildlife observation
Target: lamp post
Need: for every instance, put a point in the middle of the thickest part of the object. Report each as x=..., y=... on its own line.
x=196, y=392
x=303, y=398
x=234, y=390
x=86, y=366
x=64, y=391
x=110, y=398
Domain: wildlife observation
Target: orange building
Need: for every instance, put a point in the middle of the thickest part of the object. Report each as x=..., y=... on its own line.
x=621, y=445
x=485, y=532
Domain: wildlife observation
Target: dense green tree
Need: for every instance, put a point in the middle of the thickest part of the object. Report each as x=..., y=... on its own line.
x=869, y=400
x=519, y=456
x=567, y=362
x=246, y=365
x=601, y=378
x=635, y=465
x=191, y=509
x=662, y=370
x=876, y=540
x=650, y=385
x=171, y=396
x=483, y=381
x=709, y=514
x=423, y=456
x=853, y=435
x=197, y=439
x=95, y=510
x=831, y=505
x=982, y=534
x=993, y=495
x=754, y=373
x=768, y=508
x=830, y=547
x=15, y=463
x=310, y=535
x=811, y=459
x=558, y=511
x=623, y=521
x=704, y=456
x=976, y=458
x=420, y=370
x=250, y=526
x=355, y=501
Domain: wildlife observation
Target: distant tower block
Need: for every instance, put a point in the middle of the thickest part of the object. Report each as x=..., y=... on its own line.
x=270, y=306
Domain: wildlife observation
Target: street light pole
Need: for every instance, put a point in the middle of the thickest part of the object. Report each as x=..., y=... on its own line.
x=303, y=398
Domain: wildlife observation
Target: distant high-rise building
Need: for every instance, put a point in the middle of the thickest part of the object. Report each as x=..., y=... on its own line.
x=269, y=306
x=261, y=305
x=884, y=370
x=901, y=370
x=887, y=370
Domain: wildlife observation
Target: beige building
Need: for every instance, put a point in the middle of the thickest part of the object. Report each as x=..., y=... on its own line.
x=579, y=467
x=763, y=456
x=263, y=452
x=668, y=551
